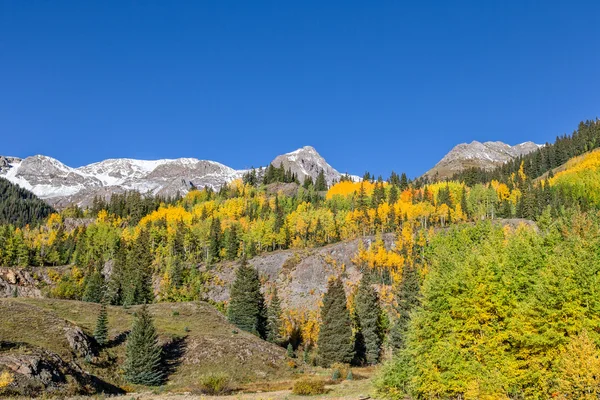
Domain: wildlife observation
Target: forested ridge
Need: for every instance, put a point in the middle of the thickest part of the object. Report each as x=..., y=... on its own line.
x=468, y=307
x=19, y=206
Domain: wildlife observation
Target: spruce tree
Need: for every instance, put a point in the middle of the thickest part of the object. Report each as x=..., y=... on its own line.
x=214, y=245
x=274, y=318
x=143, y=353
x=101, y=331
x=335, y=341
x=94, y=288
x=321, y=183
x=368, y=312
x=407, y=299
x=246, y=303
x=139, y=271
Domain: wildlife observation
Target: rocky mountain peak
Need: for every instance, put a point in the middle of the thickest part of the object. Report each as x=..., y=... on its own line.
x=306, y=161
x=487, y=155
x=61, y=185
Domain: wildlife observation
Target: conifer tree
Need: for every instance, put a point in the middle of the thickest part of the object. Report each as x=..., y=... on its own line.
x=101, y=331
x=214, y=245
x=335, y=341
x=94, y=288
x=139, y=271
x=246, y=303
x=143, y=353
x=403, y=182
x=321, y=183
x=407, y=299
x=274, y=318
x=232, y=242
x=368, y=312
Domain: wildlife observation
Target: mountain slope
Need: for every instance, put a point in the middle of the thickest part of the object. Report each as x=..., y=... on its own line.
x=19, y=206
x=486, y=155
x=61, y=185
x=195, y=337
x=306, y=162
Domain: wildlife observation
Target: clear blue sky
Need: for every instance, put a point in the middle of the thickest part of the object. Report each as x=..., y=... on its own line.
x=372, y=85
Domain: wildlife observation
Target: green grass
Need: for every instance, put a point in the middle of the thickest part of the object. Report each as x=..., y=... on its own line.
x=205, y=339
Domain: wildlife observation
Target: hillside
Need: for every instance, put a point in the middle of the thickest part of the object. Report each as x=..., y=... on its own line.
x=196, y=338
x=19, y=206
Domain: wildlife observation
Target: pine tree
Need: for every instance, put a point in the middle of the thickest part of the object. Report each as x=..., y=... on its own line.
x=403, y=182
x=274, y=318
x=335, y=341
x=407, y=299
x=290, y=351
x=246, y=303
x=214, y=245
x=368, y=312
x=101, y=331
x=232, y=243
x=143, y=353
x=139, y=271
x=321, y=183
x=94, y=288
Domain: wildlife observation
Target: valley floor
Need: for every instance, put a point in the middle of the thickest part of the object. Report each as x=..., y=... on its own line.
x=347, y=390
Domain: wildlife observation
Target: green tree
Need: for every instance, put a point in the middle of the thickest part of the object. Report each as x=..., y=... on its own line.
x=335, y=342
x=407, y=299
x=274, y=318
x=139, y=271
x=101, y=331
x=368, y=312
x=246, y=308
x=143, y=353
x=321, y=183
x=94, y=287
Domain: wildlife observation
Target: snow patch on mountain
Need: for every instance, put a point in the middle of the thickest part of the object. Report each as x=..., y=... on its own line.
x=487, y=155
x=61, y=185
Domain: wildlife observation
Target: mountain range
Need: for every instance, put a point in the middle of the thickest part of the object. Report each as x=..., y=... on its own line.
x=60, y=185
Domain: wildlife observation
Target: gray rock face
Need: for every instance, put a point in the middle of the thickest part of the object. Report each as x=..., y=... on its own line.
x=61, y=185
x=486, y=155
x=306, y=162
x=301, y=276
x=19, y=282
x=79, y=342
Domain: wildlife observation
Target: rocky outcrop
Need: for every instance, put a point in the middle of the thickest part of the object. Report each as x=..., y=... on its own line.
x=80, y=343
x=17, y=282
x=301, y=276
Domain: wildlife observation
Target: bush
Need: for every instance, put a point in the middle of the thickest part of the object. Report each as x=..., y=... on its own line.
x=214, y=383
x=336, y=375
x=308, y=387
x=342, y=370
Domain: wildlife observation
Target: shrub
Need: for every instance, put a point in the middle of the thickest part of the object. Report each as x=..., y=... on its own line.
x=308, y=387
x=217, y=383
x=350, y=376
x=336, y=375
x=5, y=379
x=342, y=370
x=175, y=313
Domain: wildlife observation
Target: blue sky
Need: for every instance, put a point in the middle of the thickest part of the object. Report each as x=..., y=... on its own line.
x=377, y=86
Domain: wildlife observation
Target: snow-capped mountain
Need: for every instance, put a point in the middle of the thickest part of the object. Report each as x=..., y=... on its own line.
x=307, y=162
x=486, y=155
x=61, y=185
